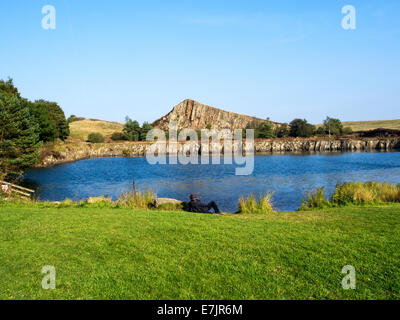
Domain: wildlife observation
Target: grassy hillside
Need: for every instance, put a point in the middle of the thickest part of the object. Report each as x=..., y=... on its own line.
x=370, y=125
x=133, y=254
x=81, y=129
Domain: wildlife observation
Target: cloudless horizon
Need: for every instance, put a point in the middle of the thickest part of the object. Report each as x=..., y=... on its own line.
x=279, y=59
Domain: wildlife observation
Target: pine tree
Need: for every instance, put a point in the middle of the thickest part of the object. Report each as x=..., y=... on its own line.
x=19, y=135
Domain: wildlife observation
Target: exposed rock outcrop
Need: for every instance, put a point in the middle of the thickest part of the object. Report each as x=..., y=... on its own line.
x=190, y=114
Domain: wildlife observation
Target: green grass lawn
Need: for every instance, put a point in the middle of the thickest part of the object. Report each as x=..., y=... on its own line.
x=126, y=254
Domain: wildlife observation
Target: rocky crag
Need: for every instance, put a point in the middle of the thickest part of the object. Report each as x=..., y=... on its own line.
x=190, y=114
x=69, y=153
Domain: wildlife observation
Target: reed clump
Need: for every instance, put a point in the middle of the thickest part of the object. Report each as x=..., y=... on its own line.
x=353, y=193
x=254, y=204
x=316, y=200
x=137, y=199
x=365, y=193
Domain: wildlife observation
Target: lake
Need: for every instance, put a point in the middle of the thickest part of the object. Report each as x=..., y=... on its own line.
x=289, y=176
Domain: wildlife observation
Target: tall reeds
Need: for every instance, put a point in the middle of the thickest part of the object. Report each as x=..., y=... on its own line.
x=137, y=199
x=354, y=193
x=253, y=204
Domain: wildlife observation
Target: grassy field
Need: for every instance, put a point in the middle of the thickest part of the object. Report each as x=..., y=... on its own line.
x=81, y=129
x=133, y=254
x=370, y=125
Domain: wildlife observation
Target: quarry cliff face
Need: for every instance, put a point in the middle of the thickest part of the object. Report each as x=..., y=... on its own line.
x=126, y=149
x=190, y=114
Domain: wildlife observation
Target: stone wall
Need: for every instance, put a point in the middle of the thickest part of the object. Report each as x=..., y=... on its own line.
x=80, y=151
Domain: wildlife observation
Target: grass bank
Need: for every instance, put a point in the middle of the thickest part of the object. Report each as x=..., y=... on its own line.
x=105, y=253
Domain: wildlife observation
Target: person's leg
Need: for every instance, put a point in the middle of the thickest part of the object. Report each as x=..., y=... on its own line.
x=213, y=205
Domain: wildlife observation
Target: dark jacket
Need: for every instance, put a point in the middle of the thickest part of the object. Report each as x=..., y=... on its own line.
x=197, y=206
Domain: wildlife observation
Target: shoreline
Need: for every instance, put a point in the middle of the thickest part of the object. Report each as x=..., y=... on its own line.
x=62, y=153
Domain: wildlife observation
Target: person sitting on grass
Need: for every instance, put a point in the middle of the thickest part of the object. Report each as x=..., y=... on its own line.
x=195, y=205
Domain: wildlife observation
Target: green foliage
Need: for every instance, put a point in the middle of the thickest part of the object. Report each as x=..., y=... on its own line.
x=95, y=137
x=282, y=131
x=47, y=127
x=8, y=89
x=118, y=136
x=301, y=128
x=144, y=130
x=134, y=132
x=265, y=131
x=74, y=118
x=262, y=130
x=56, y=116
x=333, y=126
x=320, y=131
x=315, y=200
x=252, y=204
x=19, y=137
x=347, y=130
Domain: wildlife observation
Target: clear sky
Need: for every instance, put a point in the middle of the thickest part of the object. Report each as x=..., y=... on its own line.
x=279, y=59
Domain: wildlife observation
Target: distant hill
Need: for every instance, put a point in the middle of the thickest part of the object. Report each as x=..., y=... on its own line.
x=194, y=115
x=82, y=128
x=371, y=125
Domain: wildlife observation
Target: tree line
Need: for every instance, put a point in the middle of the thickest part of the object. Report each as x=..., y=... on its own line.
x=24, y=127
x=299, y=128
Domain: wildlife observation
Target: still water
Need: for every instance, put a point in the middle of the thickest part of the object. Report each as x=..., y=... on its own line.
x=289, y=176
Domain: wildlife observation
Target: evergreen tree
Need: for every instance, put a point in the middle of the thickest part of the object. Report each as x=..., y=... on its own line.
x=265, y=131
x=19, y=136
x=57, y=117
x=8, y=89
x=47, y=127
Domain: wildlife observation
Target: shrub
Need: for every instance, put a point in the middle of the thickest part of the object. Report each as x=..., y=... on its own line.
x=95, y=137
x=282, y=131
x=301, y=128
x=118, y=136
x=138, y=199
x=315, y=199
x=252, y=204
x=347, y=130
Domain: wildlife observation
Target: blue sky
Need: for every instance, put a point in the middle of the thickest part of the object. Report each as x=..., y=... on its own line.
x=279, y=59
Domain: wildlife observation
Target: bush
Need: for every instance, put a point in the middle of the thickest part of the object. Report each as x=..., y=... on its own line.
x=301, y=128
x=95, y=137
x=74, y=118
x=315, y=199
x=252, y=204
x=118, y=136
x=347, y=130
x=282, y=131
